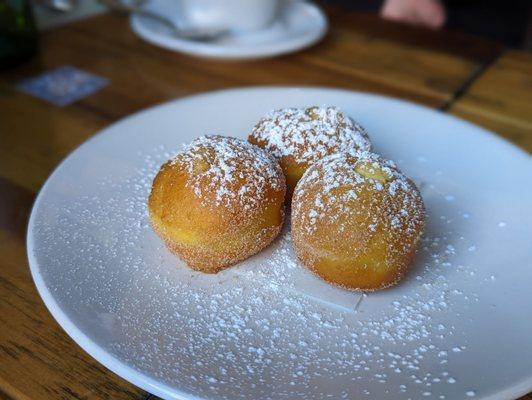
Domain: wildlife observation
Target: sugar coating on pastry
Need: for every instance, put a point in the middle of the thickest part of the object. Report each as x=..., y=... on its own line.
x=299, y=137
x=356, y=220
x=226, y=171
x=219, y=201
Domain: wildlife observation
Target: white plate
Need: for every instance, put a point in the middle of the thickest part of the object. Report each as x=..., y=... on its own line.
x=301, y=25
x=460, y=324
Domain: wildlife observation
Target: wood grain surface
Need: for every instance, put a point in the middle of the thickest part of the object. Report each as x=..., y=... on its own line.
x=501, y=99
x=37, y=359
x=361, y=52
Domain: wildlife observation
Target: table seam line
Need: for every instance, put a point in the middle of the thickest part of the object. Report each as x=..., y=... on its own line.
x=477, y=73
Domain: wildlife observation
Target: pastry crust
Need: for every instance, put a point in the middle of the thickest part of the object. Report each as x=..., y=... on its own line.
x=298, y=137
x=356, y=221
x=218, y=202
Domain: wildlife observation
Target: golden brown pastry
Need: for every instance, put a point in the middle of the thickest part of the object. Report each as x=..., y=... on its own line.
x=298, y=137
x=219, y=201
x=356, y=220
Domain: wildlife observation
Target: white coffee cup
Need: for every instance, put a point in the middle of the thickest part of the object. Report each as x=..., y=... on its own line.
x=235, y=15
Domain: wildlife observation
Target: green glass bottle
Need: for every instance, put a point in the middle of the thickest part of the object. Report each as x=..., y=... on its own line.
x=18, y=35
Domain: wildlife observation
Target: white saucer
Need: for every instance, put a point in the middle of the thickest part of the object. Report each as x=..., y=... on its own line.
x=300, y=25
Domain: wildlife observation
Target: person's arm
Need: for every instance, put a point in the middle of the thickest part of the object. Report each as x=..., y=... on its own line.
x=427, y=13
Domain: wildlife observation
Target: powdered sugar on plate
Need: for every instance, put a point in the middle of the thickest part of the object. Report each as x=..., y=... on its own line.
x=266, y=328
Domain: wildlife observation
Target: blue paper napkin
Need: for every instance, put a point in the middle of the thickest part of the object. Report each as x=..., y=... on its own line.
x=63, y=85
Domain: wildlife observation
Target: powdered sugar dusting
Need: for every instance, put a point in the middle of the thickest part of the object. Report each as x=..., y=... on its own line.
x=309, y=134
x=334, y=182
x=224, y=171
x=264, y=329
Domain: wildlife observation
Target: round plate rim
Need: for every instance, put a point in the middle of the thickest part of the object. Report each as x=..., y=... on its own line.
x=138, y=378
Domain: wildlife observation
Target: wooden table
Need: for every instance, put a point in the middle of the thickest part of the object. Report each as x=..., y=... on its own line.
x=469, y=77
